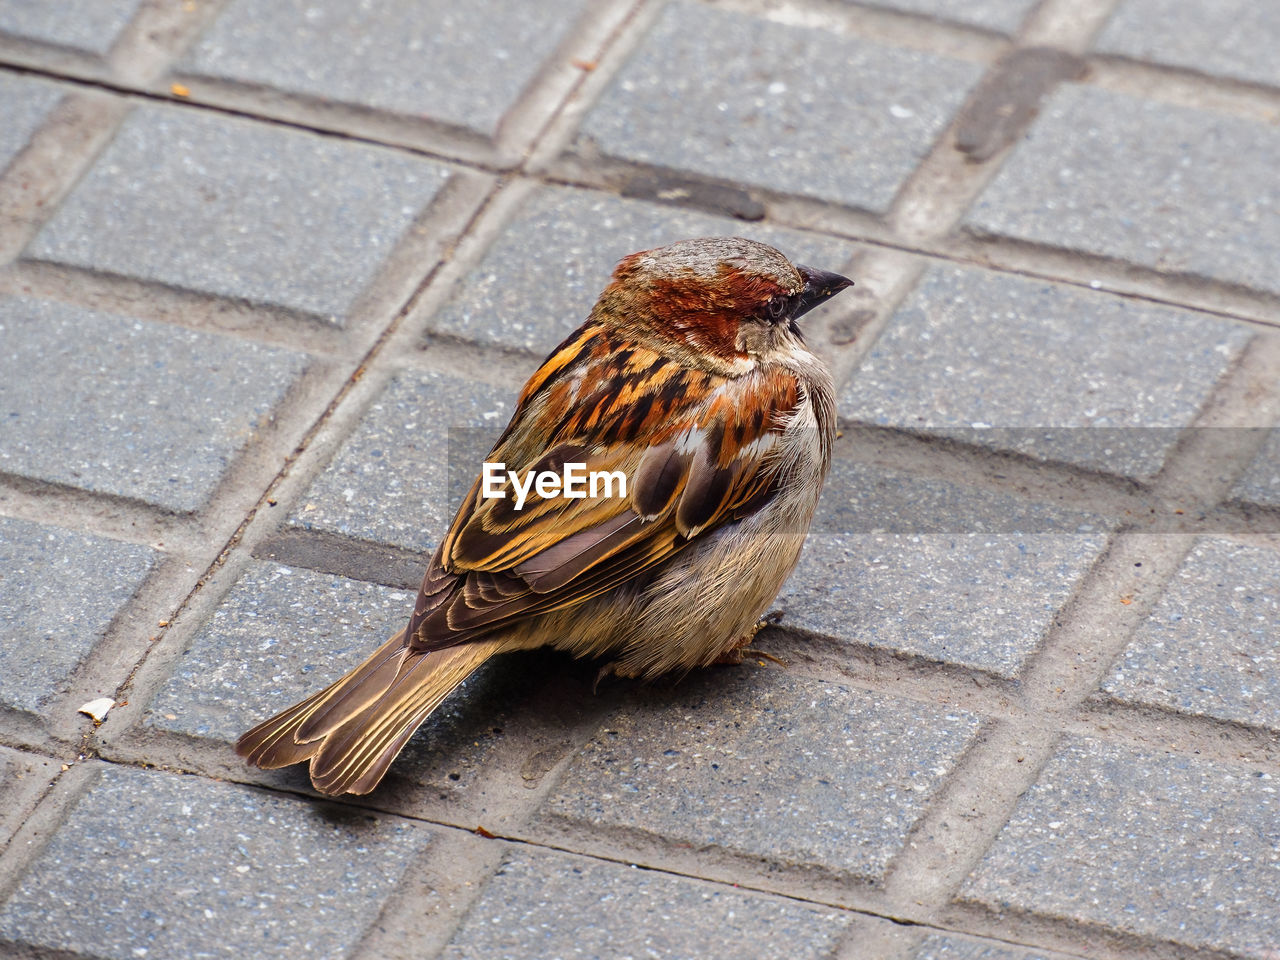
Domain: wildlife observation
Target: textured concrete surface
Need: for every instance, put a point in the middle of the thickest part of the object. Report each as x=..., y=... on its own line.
x=970, y=350
x=759, y=763
x=240, y=210
x=1261, y=482
x=255, y=339
x=89, y=25
x=460, y=65
x=1000, y=15
x=1209, y=647
x=390, y=482
x=1148, y=843
x=964, y=581
x=1229, y=38
x=1170, y=188
x=26, y=104
x=631, y=913
x=533, y=294
x=158, y=413
x=280, y=633
x=942, y=947
x=59, y=592
x=730, y=96
x=143, y=866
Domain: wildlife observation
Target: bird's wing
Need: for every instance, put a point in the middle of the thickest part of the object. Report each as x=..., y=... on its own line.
x=697, y=451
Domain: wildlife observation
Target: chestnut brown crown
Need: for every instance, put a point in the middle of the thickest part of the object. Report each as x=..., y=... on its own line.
x=728, y=297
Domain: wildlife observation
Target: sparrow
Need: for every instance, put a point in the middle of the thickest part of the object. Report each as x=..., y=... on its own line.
x=691, y=378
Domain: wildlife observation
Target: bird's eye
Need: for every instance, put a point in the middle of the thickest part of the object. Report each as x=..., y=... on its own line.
x=778, y=308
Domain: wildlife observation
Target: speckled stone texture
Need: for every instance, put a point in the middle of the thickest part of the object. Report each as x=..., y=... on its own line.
x=59, y=591
x=460, y=64
x=88, y=25
x=1260, y=483
x=1003, y=16
x=284, y=633
x=1177, y=190
x=1000, y=16
x=1150, y=843
x=152, y=864
x=530, y=296
x=940, y=946
x=534, y=907
x=968, y=353
x=280, y=634
x=401, y=474
x=936, y=570
x=159, y=412
x=1230, y=38
x=727, y=95
x=1210, y=645
x=25, y=102
x=240, y=209
x=754, y=761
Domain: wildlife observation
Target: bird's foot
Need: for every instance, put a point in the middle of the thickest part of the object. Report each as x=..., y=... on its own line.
x=739, y=649
x=605, y=671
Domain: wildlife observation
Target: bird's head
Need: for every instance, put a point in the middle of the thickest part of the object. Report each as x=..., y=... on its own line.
x=717, y=301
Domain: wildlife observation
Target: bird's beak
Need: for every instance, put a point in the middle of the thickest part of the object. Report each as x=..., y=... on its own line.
x=819, y=286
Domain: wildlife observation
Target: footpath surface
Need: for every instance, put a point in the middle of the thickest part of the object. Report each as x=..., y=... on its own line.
x=265, y=263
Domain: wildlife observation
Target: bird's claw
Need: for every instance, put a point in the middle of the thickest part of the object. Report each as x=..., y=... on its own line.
x=740, y=650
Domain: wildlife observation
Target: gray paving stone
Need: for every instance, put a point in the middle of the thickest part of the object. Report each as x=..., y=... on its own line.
x=761, y=763
x=89, y=25
x=865, y=498
x=116, y=405
x=1260, y=483
x=1152, y=844
x=1178, y=190
x=731, y=96
x=531, y=295
x=1209, y=646
x=398, y=479
x=59, y=590
x=24, y=777
x=156, y=865
x=283, y=633
x=280, y=634
x=239, y=209
x=974, y=578
x=940, y=946
x=25, y=102
x=463, y=65
x=550, y=905
x=1023, y=365
x=1231, y=38
x=1004, y=16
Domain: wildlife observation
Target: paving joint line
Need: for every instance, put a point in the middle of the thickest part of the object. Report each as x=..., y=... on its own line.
x=189, y=309
x=1184, y=87
x=136, y=96
x=1070, y=934
x=61, y=151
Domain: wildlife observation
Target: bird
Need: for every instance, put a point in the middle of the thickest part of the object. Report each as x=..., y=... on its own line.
x=691, y=379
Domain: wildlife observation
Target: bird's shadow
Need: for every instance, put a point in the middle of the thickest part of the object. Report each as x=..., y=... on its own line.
x=535, y=705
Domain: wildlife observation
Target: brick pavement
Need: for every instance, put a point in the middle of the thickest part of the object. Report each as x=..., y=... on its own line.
x=266, y=266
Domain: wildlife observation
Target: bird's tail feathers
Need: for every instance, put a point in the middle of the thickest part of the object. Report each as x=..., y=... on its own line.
x=353, y=729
